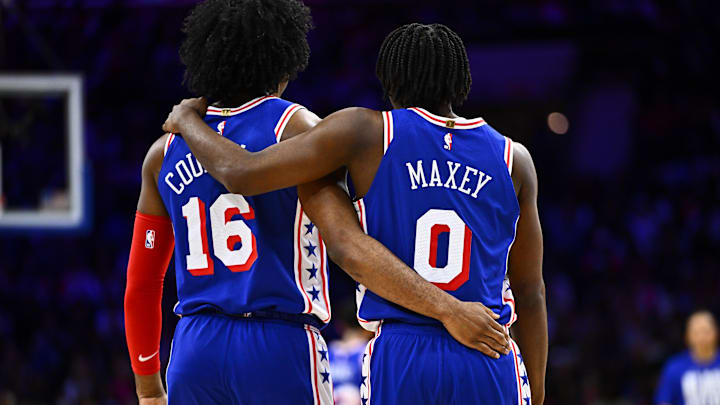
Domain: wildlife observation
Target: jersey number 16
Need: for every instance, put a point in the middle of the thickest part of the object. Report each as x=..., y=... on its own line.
x=226, y=233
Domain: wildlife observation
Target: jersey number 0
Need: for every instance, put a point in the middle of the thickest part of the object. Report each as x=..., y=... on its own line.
x=428, y=229
x=226, y=233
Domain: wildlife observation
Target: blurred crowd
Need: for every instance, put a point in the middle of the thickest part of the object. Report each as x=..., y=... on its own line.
x=630, y=212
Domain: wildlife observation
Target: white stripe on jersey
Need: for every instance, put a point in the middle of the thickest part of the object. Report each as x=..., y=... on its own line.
x=310, y=266
x=285, y=119
x=319, y=368
x=388, y=128
x=226, y=112
x=508, y=154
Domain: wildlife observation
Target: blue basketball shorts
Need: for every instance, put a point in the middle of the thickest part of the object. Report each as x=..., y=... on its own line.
x=215, y=359
x=424, y=364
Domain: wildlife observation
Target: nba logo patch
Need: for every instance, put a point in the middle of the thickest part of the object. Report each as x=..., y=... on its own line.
x=221, y=127
x=448, y=141
x=149, y=239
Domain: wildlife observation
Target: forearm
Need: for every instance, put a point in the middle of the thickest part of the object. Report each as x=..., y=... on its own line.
x=531, y=334
x=370, y=263
x=222, y=158
x=149, y=386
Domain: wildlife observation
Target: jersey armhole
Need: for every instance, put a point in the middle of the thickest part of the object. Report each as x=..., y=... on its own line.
x=508, y=154
x=285, y=119
x=169, y=141
x=388, y=130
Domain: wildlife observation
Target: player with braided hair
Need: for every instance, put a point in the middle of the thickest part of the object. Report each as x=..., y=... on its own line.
x=450, y=196
x=410, y=83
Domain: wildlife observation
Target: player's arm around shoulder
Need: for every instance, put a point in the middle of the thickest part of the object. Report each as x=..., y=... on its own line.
x=300, y=158
x=151, y=248
x=314, y=148
x=525, y=274
x=359, y=133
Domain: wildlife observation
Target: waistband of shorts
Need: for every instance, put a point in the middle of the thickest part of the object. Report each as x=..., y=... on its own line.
x=299, y=319
x=395, y=327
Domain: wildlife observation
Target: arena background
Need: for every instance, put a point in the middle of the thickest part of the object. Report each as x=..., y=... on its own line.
x=629, y=195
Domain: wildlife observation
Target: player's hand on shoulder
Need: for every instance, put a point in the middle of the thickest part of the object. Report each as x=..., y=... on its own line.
x=154, y=401
x=475, y=326
x=188, y=108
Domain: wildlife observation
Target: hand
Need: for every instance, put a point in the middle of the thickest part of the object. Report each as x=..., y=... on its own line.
x=154, y=400
x=188, y=108
x=474, y=325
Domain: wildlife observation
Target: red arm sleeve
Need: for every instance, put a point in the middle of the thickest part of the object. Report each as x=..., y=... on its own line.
x=150, y=253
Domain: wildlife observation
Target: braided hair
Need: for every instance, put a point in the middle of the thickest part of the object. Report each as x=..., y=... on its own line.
x=244, y=48
x=423, y=65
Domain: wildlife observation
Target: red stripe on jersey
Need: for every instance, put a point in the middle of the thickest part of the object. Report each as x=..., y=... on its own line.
x=362, y=215
x=313, y=366
x=284, y=118
x=517, y=372
x=390, y=128
x=167, y=143
x=386, y=129
x=509, y=150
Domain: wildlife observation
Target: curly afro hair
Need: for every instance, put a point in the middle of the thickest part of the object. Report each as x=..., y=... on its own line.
x=424, y=66
x=237, y=49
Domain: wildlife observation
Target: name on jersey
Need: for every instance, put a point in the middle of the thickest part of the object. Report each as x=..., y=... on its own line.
x=186, y=171
x=451, y=175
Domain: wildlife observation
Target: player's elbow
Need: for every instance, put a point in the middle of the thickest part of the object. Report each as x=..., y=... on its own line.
x=340, y=249
x=338, y=252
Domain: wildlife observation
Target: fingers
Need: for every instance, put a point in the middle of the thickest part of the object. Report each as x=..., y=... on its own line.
x=168, y=126
x=486, y=350
x=175, y=117
x=496, y=326
x=498, y=335
x=490, y=312
x=199, y=104
x=192, y=101
x=496, y=340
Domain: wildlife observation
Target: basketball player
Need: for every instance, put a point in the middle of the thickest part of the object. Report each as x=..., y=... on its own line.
x=450, y=196
x=693, y=377
x=252, y=271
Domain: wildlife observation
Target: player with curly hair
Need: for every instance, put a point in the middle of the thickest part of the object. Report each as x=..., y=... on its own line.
x=252, y=271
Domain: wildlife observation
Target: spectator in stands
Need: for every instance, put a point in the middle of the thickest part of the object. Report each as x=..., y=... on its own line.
x=693, y=377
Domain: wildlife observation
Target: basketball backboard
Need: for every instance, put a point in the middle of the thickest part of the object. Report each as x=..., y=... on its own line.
x=42, y=152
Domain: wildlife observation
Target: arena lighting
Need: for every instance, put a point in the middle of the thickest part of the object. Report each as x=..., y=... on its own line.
x=558, y=123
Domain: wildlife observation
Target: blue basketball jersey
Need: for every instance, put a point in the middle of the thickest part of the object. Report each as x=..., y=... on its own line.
x=237, y=254
x=443, y=201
